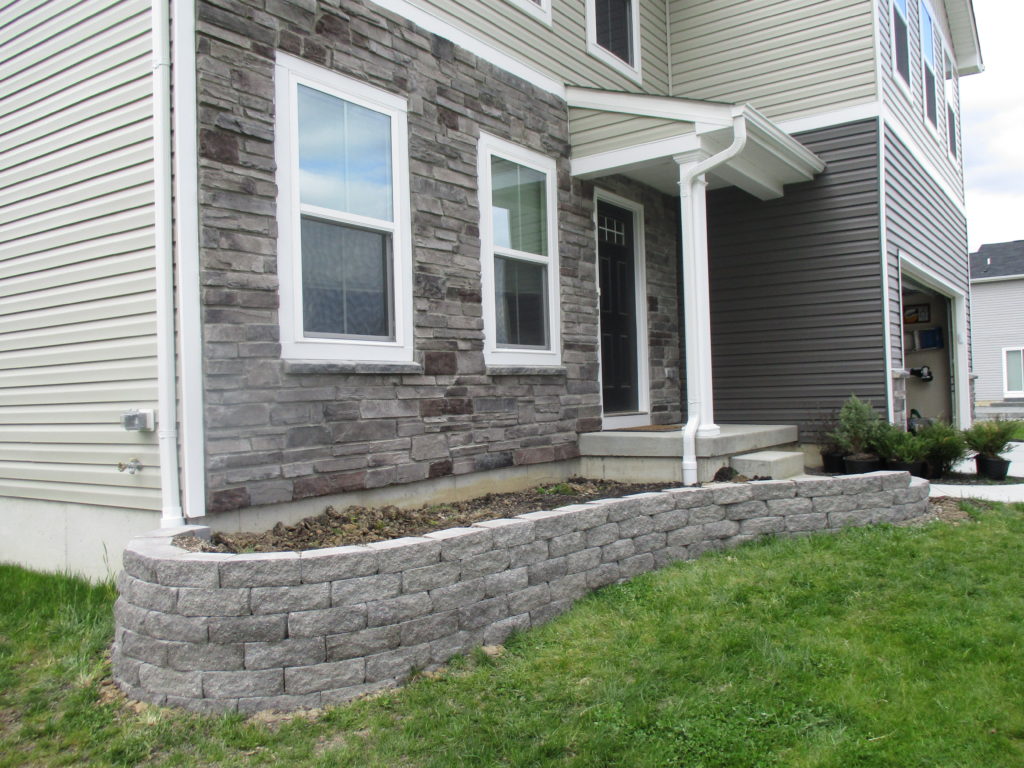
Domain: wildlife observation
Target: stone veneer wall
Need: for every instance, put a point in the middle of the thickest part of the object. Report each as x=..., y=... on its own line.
x=220, y=632
x=279, y=431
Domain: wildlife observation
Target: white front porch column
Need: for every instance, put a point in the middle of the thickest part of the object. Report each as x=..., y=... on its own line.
x=696, y=295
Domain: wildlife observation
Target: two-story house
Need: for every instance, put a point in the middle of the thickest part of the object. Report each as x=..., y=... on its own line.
x=259, y=256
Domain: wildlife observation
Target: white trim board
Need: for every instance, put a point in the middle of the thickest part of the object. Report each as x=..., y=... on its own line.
x=477, y=47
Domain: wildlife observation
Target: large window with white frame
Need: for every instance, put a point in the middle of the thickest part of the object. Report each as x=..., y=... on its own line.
x=344, y=255
x=519, y=254
x=951, y=113
x=901, y=40
x=928, y=59
x=613, y=34
x=1013, y=372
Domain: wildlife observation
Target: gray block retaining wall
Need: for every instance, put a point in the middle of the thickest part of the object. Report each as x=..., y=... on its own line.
x=290, y=630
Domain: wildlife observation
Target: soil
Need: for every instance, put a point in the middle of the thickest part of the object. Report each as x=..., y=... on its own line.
x=945, y=509
x=362, y=525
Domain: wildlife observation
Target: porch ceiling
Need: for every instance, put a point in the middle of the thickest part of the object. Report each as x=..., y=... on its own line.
x=771, y=158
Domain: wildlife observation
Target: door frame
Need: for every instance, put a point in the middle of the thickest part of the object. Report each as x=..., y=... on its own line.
x=642, y=416
x=958, y=327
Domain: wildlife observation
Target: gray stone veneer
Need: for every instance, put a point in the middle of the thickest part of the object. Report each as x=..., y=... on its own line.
x=220, y=632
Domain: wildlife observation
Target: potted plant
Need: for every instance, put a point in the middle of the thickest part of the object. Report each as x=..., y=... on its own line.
x=858, y=425
x=944, y=446
x=825, y=426
x=902, y=451
x=988, y=439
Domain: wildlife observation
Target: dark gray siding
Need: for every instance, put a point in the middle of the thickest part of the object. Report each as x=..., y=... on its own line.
x=924, y=224
x=796, y=289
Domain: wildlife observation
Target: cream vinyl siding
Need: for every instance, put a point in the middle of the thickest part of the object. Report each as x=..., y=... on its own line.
x=594, y=131
x=560, y=50
x=908, y=108
x=997, y=315
x=789, y=58
x=77, y=304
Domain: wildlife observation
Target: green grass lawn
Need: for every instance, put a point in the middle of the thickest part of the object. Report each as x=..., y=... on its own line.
x=874, y=647
x=1019, y=434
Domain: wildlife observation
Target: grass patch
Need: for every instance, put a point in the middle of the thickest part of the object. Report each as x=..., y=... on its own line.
x=874, y=647
x=1019, y=434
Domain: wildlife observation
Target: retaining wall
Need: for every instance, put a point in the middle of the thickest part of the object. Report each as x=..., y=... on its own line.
x=289, y=630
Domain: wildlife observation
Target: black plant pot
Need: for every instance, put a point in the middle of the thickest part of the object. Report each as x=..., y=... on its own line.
x=916, y=468
x=992, y=468
x=860, y=466
x=832, y=463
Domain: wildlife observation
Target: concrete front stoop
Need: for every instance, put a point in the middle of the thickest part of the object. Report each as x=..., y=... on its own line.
x=777, y=465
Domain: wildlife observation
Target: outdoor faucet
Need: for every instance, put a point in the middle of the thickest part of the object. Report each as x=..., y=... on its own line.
x=131, y=466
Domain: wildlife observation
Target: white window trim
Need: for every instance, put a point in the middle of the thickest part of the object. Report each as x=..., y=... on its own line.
x=922, y=8
x=1006, y=379
x=949, y=93
x=897, y=78
x=540, y=11
x=488, y=147
x=288, y=74
x=642, y=417
x=632, y=71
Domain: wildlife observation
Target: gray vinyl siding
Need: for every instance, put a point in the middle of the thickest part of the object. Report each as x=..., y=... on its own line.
x=77, y=304
x=997, y=315
x=560, y=50
x=594, y=131
x=796, y=289
x=922, y=222
x=906, y=104
x=789, y=58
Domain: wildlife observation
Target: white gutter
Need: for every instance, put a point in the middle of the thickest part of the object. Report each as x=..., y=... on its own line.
x=695, y=282
x=167, y=432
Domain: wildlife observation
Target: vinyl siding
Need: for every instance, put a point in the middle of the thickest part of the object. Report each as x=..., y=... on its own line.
x=594, y=131
x=923, y=223
x=906, y=105
x=789, y=58
x=796, y=289
x=77, y=303
x=997, y=312
x=560, y=50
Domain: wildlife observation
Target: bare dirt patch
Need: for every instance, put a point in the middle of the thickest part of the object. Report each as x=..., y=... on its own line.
x=362, y=525
x=945, y=509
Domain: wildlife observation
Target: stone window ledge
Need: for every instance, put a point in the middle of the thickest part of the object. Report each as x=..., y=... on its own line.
x=313, y=366
x=525, y=370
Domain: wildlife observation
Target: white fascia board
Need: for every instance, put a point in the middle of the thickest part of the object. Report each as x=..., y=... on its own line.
x=686, y=110
x=474, y=45
x=603, y=163
x=866, y=111
x=1000, y=279
x=779, y=143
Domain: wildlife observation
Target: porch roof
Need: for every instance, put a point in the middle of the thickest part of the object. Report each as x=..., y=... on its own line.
x=638, y=136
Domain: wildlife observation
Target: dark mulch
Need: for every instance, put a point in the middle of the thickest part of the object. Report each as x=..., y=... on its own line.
x=957, y=478
x=362, y=525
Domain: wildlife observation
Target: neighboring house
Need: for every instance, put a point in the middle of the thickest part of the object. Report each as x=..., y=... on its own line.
x=997, y=329
x=340, y=251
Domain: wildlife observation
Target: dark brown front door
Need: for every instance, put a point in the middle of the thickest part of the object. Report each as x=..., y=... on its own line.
x=616, y=259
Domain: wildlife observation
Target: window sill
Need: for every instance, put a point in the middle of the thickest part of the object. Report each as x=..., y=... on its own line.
x=319, y=367
x=525, y=370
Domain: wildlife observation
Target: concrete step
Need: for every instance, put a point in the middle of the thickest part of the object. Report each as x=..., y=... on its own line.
x=777, y=465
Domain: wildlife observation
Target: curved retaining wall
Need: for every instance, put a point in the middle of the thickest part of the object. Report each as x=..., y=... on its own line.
x=289, y=630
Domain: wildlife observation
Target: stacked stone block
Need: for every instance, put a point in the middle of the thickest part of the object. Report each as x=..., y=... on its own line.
x=218, y=632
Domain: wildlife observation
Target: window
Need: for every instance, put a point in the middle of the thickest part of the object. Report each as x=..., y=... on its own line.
x=951, y=106
x=344, y=259
x=901, y=40
x=931, y=109
x=540, y=9
x=613, y=34
x=519, y=257
x=1013, y=368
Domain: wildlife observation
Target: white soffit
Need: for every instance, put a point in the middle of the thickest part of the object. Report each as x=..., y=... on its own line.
x=964, y=30
x=771, y=159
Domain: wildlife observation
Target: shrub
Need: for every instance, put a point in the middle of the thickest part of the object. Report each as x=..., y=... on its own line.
x=991, y=438
x=945, y=445
x=903, y=446
x=858, y=425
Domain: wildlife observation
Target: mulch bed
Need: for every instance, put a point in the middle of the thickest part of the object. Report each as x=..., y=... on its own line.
x=362, y=525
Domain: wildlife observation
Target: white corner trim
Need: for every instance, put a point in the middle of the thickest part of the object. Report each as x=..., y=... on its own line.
x=474, y=45
x=886, y=297
x=186, y=221
x=643, y=378
x=487, y=147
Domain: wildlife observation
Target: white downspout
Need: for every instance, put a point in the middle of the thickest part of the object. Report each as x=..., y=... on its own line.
x=696, y=312
x=167, y=432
